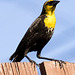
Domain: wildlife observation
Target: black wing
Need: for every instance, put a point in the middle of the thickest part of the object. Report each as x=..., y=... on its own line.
x=30, y=34
x=34, y=33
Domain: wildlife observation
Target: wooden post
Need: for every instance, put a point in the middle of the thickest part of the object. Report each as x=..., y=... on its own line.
x=18, y=68
x=46, y=68
x=50, y=68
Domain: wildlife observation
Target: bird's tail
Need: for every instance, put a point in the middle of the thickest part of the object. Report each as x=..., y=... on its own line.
x=11, y=58
x=16, y=57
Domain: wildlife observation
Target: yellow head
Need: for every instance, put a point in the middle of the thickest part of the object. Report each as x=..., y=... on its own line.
x=49, y=6
x=50, y=0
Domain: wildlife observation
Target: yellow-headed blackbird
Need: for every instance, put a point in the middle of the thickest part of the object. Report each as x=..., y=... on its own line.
x=38, y=34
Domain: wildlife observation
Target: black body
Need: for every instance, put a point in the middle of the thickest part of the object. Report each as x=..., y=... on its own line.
x=35, y=39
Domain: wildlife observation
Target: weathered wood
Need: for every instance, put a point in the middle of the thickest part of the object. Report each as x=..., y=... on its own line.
x=27, y=68
x=18, y=68
x=9, y=69
x=52, y=68
x=5, y=69
x=1, y=69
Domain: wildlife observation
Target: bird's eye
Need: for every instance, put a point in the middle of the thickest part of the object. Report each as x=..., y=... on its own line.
x=49, y=3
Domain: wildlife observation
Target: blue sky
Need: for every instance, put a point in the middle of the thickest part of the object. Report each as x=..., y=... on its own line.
x=17, y=15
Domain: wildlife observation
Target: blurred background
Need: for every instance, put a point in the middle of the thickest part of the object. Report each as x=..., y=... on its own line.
x=17, y=15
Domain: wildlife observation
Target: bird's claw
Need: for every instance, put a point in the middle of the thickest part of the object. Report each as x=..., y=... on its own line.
x=32, y=61
x=60, y=63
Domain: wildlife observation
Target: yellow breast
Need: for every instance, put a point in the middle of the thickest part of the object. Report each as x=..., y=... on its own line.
x=50, y=21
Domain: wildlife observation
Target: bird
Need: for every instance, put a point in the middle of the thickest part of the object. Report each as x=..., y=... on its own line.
x=38, y=34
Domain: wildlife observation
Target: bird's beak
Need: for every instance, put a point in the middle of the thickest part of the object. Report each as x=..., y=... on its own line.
x=55, y=3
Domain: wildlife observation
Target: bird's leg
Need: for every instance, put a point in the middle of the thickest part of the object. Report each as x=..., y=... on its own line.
x=32, y=61
x=59, y=61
